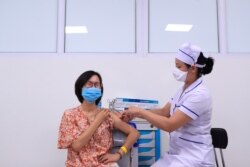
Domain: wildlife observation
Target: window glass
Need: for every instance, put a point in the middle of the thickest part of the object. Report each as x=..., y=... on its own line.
x=238, y=25
x=100, y=26
x=28, y=25
x=172, y=23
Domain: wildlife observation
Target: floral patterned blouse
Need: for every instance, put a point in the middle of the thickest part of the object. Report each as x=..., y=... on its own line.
x=73, y=123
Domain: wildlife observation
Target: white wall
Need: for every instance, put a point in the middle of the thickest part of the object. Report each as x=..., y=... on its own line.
x=36, y=89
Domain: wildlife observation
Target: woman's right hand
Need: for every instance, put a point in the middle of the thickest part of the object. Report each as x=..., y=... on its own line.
x=108, y=158
x=102, y=115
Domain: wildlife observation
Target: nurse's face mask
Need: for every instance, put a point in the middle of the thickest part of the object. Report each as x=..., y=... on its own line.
x=180, y=75
x=180, y=71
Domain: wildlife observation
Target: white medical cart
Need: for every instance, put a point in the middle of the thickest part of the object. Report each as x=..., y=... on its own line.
x=149, y=142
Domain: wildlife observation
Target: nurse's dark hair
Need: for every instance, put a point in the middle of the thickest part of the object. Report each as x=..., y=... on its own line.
x=208, y=62
x=82, y=80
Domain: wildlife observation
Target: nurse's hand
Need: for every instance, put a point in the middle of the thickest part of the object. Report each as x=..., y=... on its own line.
x=126, y=117
x=134, y=111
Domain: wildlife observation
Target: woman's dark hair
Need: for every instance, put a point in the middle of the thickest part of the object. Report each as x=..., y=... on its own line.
x=202, y=60
x=82, y=80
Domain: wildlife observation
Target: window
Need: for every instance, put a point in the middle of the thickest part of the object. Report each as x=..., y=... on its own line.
x=172, y=23
x=100, y=26
x=238, y=26
x=28, y=26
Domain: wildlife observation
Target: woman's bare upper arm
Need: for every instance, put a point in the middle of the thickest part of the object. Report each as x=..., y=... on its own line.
x=120, y=125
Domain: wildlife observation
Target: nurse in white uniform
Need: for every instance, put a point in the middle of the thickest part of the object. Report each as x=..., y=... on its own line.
x=187, y=116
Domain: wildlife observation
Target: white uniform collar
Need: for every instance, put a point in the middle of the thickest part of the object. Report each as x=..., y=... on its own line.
x=193, y=85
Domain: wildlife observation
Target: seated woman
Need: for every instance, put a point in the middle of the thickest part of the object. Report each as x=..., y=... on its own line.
x=86, y=130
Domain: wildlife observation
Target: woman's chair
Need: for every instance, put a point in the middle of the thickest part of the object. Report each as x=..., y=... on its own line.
x=220, y=141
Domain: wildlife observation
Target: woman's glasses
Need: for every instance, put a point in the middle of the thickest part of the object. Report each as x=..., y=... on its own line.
x=90, y=84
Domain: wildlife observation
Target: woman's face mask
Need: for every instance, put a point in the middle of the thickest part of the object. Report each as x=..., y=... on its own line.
x=91, y=94
x=180, y=75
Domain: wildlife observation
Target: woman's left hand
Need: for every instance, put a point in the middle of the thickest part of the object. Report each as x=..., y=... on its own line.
x=107, y=158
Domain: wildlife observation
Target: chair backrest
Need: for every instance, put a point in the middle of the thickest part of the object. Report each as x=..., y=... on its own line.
x=220, y=141
x=219, y=137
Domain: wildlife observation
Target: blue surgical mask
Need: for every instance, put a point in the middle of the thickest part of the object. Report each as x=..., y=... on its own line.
x=91, y=94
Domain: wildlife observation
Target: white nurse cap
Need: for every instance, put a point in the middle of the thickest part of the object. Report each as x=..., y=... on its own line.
x=189, y=54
